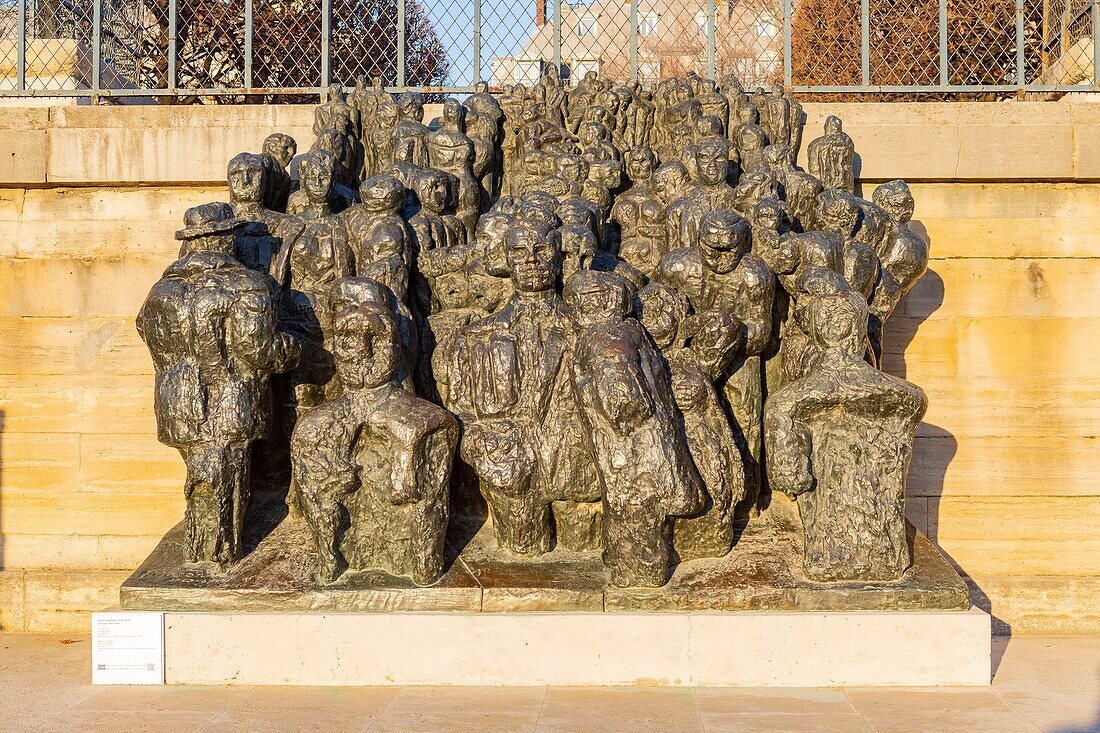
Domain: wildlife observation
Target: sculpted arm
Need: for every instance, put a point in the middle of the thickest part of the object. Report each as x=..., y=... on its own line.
x=252, y=329
x=755, y=309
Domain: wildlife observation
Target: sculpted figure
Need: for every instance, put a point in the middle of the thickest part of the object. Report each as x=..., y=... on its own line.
x=749, y=138
x=257, y=243
x=904, y=259
x=776, y=116
x=698, y=349
x=511, y=386
x=377, y=234
x=639, y=215
x=278, y=151
x=378, y=456
x=211, y=327
x=839, y=216
x=314, y=254
x=410, y=134
x=449, y=149
x=341, y=195
x=627, y=408
x=380, y=138
x=832, y=157
x=710, y=193
x=839, y=440
x=797, y=188
x=721, y=273
x=484, y=125
x=335, y=105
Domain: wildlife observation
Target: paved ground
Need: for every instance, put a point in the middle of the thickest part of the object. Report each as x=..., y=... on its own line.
x=1040, y=684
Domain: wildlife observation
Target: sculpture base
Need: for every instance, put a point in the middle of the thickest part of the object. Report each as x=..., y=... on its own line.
x=811, y=649
x=763, y=572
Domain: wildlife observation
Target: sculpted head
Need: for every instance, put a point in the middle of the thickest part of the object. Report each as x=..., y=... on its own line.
x=533, y=252
x=571, y=167
x=335, y=93
x=578, y=247
x=778, y=155
x=834, y=314
x=715, y=339
x=245, y=174
x=454, y=114
x=748, y=114
x=579, y=212
x=772, y=214
x=670, y=181
x=210, y=228
x=596, y=298
x=895, y=199
x=640, y=164
x=365, y=346
x=315, y=174
x=833, y=125
x=724, y=239
x=410, y=106
x=282, y=147
x=709, y=126
x=382, y=194
x=712, y=161
x=481, y=87
x=662, y=311
x=434, y=189
x=838, y=212
x=332, y=141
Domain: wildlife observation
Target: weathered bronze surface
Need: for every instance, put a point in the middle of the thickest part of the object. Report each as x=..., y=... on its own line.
x=763, y=573
x=562, y=349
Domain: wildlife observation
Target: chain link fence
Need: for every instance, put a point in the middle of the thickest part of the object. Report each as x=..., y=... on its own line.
x=291, y=50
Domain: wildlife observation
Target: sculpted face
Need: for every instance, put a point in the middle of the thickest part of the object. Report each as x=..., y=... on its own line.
x=712, y=163
x=640, y=164
x=491, y=232
x=669, y=182
x=722, y=247
x=433, y=192
x=246, y=183
x=315, y=173
x=365, y=347
x=533, y=252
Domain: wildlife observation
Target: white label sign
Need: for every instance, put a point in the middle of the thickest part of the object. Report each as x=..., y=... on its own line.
x=128, y=648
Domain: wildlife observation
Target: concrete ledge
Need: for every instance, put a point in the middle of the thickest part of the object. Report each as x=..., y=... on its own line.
x=721, y=649
x=918, y=141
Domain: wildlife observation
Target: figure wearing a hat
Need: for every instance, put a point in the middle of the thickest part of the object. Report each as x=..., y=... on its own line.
x=210, y=324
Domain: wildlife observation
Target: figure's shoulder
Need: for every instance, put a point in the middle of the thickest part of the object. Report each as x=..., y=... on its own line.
x=755, y=271
x=679, y=264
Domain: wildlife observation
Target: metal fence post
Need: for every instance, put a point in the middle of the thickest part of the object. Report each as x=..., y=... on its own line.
x=865, y=41
x=633, y=40
x=557, y=36
x=788, y=11
x=1095, y=43
x=945, y=75
x=477, y=42
x=400, y=43
x=1020, y=58
x=97, y=51
x=173, y=43
x=712, y=21
x=21, y=50
x=326, y=46
x=248, y=44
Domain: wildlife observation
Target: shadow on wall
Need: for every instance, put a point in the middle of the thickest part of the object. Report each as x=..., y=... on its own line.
x=935, y=446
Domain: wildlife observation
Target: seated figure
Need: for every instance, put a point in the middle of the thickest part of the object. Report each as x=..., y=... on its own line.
x=377, y=455
x=839, y=440
x=626, y=404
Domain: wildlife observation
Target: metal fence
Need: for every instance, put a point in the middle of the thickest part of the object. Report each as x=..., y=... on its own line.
x=290, y=50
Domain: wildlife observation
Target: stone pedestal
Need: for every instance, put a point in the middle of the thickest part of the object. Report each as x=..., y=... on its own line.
x=807, y=649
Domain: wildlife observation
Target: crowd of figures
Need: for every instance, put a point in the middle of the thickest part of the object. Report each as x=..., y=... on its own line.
x=619, y=316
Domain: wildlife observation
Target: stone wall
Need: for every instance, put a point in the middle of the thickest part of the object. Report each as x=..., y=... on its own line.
x=1006, y=471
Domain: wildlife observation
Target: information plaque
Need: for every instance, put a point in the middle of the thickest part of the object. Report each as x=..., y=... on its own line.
x=128, y=648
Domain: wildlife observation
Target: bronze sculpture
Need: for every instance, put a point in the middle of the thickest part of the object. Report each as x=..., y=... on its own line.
x=604, y=320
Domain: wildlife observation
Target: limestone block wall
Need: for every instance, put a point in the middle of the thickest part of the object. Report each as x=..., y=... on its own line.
x=1000, y=333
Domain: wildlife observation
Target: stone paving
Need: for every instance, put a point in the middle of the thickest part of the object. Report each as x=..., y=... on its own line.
x=1040, y=684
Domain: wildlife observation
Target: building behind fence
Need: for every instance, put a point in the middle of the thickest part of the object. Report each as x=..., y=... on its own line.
x=290, y=50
